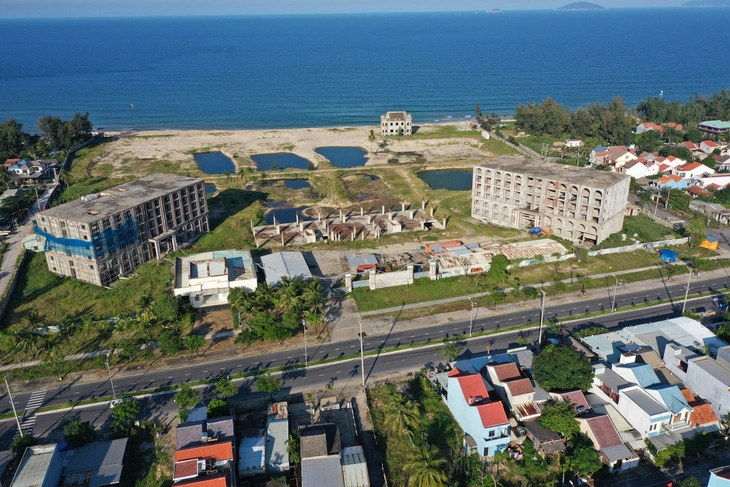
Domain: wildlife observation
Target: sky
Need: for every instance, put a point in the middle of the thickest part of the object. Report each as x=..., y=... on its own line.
x=117, y=8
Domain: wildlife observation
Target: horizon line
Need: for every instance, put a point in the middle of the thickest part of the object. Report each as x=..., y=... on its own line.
x=311, y=14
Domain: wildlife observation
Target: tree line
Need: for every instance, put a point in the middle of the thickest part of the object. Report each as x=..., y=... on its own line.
x=695, y=110
x=54, y=133
x=612, y=123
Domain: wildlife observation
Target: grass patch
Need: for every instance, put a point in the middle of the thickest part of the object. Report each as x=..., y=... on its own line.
x=645, y=229
x=56, y=298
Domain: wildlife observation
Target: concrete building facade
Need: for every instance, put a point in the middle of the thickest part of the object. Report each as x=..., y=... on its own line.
x=396, y=123
x=581, y=205
x=102, y=237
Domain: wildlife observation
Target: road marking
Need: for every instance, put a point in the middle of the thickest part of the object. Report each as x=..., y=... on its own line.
x=402, y=360
x=205, y=371
x=169, y=377
x=337, y=349
x=289, y=356
x=187, y=374
x=321, y=375
x=575, y=308
x=427, y=333
x=412, y=336
x=353, y=346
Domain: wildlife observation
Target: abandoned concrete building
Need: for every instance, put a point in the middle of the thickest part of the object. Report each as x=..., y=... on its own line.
x=103, y=236
x=396, y=123
x=582, y=205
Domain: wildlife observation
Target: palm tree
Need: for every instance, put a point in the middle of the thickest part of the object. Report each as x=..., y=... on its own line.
x=402, y=417
x=26, y=341
x=371, y=138
x=426, y=469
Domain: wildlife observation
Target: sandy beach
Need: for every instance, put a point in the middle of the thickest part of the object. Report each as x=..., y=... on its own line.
x=178, y=146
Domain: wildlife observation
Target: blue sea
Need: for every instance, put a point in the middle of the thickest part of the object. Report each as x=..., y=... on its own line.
x=333, y=70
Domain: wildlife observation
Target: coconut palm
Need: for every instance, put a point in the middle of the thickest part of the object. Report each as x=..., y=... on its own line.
x=401, y=418
x=426, y=469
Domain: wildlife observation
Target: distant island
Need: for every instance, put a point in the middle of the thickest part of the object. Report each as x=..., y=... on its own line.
x=494, y=11
x=707, y=3
x=582, y=6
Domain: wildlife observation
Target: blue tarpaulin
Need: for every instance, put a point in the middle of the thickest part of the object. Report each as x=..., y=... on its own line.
x=668, y=255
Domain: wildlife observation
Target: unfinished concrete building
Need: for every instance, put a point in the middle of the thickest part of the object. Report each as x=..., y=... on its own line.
x=582, y=205
x=103, y=236
x=396, y=123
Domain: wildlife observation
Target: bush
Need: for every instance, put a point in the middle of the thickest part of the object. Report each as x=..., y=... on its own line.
x=171, y=342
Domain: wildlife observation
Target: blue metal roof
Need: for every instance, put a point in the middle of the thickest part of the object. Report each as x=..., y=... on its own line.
x=645, y=375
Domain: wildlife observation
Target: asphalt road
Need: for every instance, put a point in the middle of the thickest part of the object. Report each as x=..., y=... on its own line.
x=342, y=372
x=148, y=379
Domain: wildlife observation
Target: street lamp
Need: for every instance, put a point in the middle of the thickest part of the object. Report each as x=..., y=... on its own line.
x=12, y=403
x=471, y=316
x=362, y=335
x=615, y=290
x=111, y=380
x=306, y=356
x=542, y=317
x=686, y=292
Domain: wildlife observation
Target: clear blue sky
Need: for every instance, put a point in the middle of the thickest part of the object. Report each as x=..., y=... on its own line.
x=113, y=8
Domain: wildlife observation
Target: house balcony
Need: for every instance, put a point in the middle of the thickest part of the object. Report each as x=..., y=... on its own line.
x=676, y=425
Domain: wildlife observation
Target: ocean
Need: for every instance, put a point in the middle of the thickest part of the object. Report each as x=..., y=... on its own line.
x=335, y=70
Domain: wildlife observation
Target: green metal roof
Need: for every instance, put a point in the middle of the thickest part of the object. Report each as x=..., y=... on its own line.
x=716, y=124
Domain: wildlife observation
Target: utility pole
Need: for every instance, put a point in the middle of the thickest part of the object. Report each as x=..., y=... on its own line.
x=542, y=317
x=109, y=371
x=362, y=335
x=12, y=403
x=471, y=316
x=615, y=289
x=686, y=292
x=306, y=356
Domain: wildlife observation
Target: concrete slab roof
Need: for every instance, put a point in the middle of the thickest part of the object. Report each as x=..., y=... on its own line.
x=555, y=172
x=285, y=264
x=128, y=195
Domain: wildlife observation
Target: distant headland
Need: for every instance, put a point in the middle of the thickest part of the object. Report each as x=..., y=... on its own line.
x=581, y=6
x=707, y=3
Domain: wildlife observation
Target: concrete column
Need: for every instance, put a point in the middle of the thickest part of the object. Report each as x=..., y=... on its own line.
x=301, y=227
x=282, y=240
x=410, y=214
x=431, y=212
x=371, y=279
x=402, y=206
x=319, y=216
x=423, y=224
x=297, y=215
x=444, y=222
x=348, y=282
x=278, y=229
x=273, y=214
x=432, y=269
x=361, y=212
x=342, y=218
x=410, y=273
x=383, y=209
x=423, y=204
x=353, y=235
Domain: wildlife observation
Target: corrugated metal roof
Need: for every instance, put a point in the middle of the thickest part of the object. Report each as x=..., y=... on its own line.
x=277, y=434
x=285, y=264
x=35, y=465
x=354, y=467
x=322, y=472
x=251, y=454
x=358, y=260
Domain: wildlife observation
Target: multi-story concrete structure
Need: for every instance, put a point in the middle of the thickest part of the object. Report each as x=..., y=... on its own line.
x=103, y=236
x=582, y=205
x=396, y=123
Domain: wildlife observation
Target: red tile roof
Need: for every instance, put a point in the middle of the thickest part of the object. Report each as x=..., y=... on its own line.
x=690, y=145
x=689, y=166
x=517, y=387
x=576, y=398
x=653, y=126
x=506, y=371
x=603, y=431
x=186, y=469
x=217, y=451
x=714, y=187
x=696, y=190
x=709, y=143
x=702, y=413
x=492, y=414
x=669, y=177
x=219, y=481
x=472, y=386
x=688, y=396
x=672, y=125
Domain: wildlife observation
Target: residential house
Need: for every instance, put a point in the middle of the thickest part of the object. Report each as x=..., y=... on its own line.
x=515, y=388
x=702, y=374
x=206, y=279
x=636, y=169
x=637, y=373
x=693, y=170
x=95, y=465
x=619, y=156
x=645, y=414
x=208, y=481
x=672, y=181
x=648, y=127
x=203, y=461
x=606, y=439
x=277, y=437
x=573, y=143
x=719, y=477
x=714, y=211
x=702, y=414
x=40, y=466
x=672, y=398
x=482, y=418
x=696, y=192
x=292, y=265
x=598, y=155
x=608, y=382
x=708, y=146
x=576, y=398
x=690, y=145
x=723, y=163
x=396, y=123
x=252, y=455
x=714, y=127
x=38, y=169
x=320, y=449
x=546, y=442
x=718, y=180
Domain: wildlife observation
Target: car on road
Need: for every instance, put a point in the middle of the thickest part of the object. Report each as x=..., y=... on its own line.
x=116, y=402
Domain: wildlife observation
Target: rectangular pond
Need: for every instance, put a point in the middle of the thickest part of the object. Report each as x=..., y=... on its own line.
x=279, y=160
x=449, y=179
x=214, y=163
x=344, y=156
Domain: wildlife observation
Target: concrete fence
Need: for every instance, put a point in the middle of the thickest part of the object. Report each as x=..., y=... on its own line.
x=11, y=285
x=639, y=246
